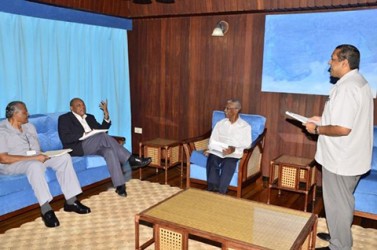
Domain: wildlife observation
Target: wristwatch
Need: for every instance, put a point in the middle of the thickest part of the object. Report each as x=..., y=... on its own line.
x=316, y=130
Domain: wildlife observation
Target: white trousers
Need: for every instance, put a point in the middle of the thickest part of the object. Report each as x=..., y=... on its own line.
x=35, y=172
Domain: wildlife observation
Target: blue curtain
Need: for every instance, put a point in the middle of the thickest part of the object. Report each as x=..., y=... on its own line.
x=46, y=63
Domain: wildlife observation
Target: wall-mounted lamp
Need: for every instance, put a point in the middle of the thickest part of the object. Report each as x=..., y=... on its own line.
x=221, y=29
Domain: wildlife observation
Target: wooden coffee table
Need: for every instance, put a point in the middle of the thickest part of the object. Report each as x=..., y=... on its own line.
x=233, y=222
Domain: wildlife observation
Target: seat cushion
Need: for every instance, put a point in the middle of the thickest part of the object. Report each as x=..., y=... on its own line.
x=366, y=193
x=13, y=183
x=374, y=158
x=94, y=161
x=198, y=158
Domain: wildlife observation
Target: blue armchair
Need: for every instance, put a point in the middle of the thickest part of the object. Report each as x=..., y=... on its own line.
x=248, y=167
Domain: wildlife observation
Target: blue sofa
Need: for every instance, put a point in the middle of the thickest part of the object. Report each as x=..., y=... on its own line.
x=248, y=167
x=366, y=190
x=16, y=192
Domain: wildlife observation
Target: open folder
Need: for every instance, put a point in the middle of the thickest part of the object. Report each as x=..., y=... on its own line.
x=93, y=132
x=55, y=153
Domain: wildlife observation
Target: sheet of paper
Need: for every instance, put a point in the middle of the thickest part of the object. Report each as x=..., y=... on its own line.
x=55, y=153
x=300, y=118
x=218, y=146
x=93, y=132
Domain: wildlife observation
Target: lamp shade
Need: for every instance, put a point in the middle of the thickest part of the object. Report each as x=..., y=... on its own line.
x=217, y=32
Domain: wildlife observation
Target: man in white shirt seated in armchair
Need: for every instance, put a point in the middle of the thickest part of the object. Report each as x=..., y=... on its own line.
x=229, y=138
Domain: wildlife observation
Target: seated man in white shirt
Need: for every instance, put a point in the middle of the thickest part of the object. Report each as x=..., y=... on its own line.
x=229, y=138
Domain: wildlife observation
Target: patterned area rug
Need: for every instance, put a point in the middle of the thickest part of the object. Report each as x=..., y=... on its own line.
x=111, y=224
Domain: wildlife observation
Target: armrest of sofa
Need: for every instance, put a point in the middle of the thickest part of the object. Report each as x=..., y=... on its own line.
x=120, y=139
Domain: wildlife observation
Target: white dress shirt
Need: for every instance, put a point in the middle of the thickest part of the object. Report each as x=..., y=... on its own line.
x=237, y=135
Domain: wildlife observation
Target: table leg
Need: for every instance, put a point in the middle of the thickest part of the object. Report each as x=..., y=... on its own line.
x=137, y=232
x=306, y=201
x=167, y=156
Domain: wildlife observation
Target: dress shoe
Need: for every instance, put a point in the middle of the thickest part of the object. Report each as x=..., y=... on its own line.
x=50, y=219
x=212, y=188
x=322, y=248
x=121, y=190
x=324, y=236
x=137, y=162
x=76, y=207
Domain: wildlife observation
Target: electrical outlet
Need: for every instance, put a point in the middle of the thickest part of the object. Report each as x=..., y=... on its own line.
x=138, y=130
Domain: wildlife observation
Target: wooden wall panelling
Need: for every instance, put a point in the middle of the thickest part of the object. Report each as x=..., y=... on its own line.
x=126, y=8
x=216, y=68
x=159, y=77
x=211, y=70
x=179, y=74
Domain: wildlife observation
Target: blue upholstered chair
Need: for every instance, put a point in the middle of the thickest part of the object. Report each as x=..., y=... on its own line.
x=249, y=166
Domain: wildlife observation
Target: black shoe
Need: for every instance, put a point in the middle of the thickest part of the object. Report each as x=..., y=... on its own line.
x=322, y=248
x=324, y=236
x=50, y=219
x=212, y=188
x=137, y=162
x=76, y=207
x=121, y=190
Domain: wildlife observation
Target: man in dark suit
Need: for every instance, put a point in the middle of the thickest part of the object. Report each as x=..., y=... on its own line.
x=74, y=126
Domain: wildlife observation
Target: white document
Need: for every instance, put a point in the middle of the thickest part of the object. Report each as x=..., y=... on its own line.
x=218, y=146
x=55, y=153
x=300, y=118
x=93, y=132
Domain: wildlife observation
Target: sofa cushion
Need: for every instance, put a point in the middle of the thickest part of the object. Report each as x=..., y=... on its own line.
x=366, y=193
x=374, y=158
x=47, y=129
x=94, y=161
x=12, y=183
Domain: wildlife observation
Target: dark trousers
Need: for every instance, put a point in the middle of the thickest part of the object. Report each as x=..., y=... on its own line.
x=115, y=154
x=220, y=172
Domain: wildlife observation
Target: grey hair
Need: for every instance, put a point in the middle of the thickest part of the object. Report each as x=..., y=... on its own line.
x=12, y=108
x=235, y=101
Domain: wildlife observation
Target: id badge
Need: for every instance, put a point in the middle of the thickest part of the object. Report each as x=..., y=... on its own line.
x=31, y=152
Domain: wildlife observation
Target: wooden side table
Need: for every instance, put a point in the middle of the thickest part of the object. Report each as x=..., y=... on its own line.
x=294, y=174
x=165, y=154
